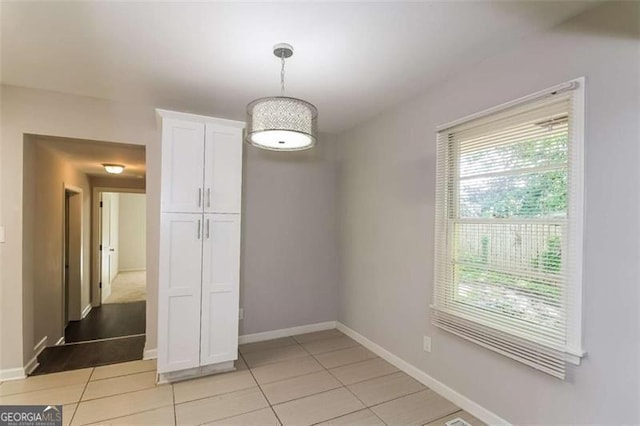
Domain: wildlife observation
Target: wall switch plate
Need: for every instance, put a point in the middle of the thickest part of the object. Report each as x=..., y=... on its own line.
x=426, y=344
x=241, y=313
x=1, y=234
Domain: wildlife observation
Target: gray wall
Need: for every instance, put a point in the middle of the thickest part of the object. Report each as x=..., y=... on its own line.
x=290, y=269
x=387, y=221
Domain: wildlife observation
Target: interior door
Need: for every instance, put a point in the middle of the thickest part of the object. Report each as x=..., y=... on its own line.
x=220, y=288
x=179, y=291
x=223, y=169
x=65, y=304
x=105, y=244
x=114, y=229
x=182, y=166
x=74, y=257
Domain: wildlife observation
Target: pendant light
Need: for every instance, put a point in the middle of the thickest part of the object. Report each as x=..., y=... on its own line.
x=281, y=123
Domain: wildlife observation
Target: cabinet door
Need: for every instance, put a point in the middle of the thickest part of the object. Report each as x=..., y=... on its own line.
x=182, y=166
x=179, y=292
x=223, y=169
x=220, y=285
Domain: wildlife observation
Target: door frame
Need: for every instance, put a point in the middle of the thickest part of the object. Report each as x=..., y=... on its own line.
x=96, y=237
x=78, y=191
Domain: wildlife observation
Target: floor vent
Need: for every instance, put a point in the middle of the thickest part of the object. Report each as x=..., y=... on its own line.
x=457, y=422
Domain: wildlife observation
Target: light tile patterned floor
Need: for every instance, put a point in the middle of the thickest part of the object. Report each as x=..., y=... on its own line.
x=316, y=378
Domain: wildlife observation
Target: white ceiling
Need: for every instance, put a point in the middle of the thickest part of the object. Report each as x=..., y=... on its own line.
x=353, y=60
x=89, y=156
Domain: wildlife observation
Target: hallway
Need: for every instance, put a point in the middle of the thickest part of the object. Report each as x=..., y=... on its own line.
x=109, y=334
x=108, y=321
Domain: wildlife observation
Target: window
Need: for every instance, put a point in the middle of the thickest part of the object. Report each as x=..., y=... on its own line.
x=509, y=228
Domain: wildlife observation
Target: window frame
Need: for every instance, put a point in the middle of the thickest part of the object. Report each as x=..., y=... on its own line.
x=574, y=351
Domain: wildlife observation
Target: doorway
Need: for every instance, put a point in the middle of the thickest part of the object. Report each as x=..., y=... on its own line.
x=123, y=250
x=72, y=255
x=72, y=328
x=120, y=239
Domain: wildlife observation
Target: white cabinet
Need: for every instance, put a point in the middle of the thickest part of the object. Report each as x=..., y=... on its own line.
x=180, y=291
x=223, y=158
x=220, y=275
x=199, y=244
x=182, y=166
x=201, y=167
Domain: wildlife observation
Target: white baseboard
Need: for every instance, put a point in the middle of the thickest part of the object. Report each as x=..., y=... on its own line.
x=435, y=385
x=150, y=354
x=12, y=374
x=31, y=365
x=37, y=350
x=285, y=332
x=132, y=270
x=60, y=341
x=86, y=311
x=39, y=347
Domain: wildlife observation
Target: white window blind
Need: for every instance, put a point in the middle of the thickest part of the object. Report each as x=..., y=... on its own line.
x=508, y=229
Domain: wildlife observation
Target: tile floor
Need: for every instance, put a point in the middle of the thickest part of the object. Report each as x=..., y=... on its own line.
x=318, y=378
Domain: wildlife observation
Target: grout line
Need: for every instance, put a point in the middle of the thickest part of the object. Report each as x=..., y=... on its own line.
x=260, y=387
x=120, y=393
x=307, y=396
x=345, y=387
x=356, y=396
x=117, y=394
x=106, y=421
x=366, y=380
x=396, y=398
x=208, y=396
x=173, y=397
x=235, y=415
x=318, y=340
x=349, y=390
x=276, y=362
x=309, y=353
x=292, y=377
x=336, y=350
x=284, y=345
x=122, y=375
x=354, y=362
x=81, y=395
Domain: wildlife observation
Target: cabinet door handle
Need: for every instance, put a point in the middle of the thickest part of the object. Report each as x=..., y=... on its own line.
x=208, y=197
x=198, y=228
x=207, y=229
x=199, y=197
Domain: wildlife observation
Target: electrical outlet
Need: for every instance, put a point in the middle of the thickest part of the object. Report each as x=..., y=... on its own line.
x=241, y=313
x=426, y=344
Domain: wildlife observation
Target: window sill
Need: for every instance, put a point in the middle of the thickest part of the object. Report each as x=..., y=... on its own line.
x=573, y=356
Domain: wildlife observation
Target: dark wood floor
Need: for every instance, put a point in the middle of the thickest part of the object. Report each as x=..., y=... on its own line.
x=91, y=354
x=83, y=345
x=108, y=320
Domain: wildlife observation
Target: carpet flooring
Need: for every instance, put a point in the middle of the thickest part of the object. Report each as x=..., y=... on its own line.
x=128, y=287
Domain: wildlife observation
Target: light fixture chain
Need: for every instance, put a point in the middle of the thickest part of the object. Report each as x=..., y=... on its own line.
x=282, y=74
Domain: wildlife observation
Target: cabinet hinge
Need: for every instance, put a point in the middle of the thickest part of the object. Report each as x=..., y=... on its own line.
x=100, y=284
x=100, y=204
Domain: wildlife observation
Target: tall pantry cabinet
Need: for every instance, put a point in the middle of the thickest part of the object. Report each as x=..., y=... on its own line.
x=199, y=245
